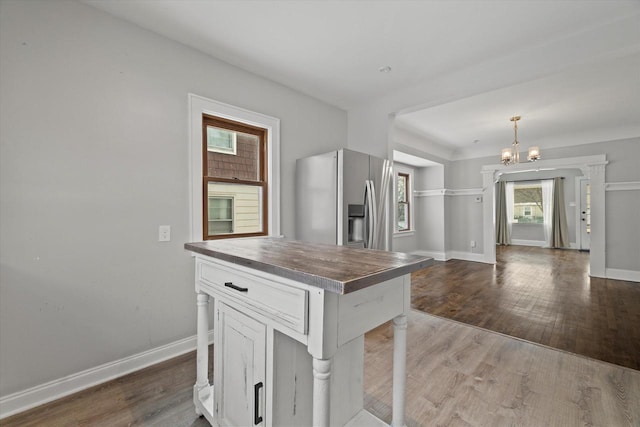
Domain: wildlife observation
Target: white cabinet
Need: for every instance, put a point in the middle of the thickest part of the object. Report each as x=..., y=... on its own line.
x=289, y=325
x=240, y=374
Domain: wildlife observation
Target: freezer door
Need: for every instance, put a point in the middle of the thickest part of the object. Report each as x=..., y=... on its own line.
x=353, y=172
x=316, y=198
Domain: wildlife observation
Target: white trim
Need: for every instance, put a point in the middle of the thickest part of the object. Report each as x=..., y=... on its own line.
x=627, y=275
x=521, y=242
x=429, y=193
x=446, y=256
x=401, y=234
x=465, y=192
x=583, y=163
x=438, y=256
x=402, y=168
x=467, y=256
x=622, y=186
x=199, y=105
x=56, y=389
x=448, y=192
x=578, y=210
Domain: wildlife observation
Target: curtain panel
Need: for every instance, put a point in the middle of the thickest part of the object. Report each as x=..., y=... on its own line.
x=503, y=235
x=559, y=228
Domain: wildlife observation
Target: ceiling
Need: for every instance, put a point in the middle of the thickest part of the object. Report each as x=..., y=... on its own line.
x=333, y=50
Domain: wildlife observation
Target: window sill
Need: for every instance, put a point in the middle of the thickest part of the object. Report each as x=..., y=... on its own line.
x=407, y=233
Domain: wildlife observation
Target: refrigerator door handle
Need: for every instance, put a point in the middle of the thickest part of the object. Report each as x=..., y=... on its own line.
x=369, y=219
x=374, y=215
x=365, y=237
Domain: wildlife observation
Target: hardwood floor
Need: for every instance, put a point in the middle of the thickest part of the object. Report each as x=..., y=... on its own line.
x=540, y=295
x=457, y=375
x=460, y=375
x=160, y=395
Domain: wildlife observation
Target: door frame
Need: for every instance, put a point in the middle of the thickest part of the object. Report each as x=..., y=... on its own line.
x=592, y=167
x=578, y=210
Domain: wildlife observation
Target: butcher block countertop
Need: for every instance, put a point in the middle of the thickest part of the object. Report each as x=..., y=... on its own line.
x=334, y=268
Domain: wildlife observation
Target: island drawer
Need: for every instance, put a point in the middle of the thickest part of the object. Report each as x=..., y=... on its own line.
x=282, y=303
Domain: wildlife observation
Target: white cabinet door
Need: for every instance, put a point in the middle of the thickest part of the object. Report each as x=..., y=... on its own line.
x=240, y=369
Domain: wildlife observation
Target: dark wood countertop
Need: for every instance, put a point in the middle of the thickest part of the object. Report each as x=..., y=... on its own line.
x=334, y=268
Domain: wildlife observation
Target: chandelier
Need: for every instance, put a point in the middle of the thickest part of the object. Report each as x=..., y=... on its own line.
x=511, y=156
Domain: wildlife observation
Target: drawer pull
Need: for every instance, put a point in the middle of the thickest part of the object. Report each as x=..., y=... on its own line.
x=237, y=288
x=256, y=403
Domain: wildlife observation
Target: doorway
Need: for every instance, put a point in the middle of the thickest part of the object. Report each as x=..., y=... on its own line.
x=592, y=167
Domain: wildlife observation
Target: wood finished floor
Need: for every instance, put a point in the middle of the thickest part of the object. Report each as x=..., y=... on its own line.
x=541, y=295
x=458, y=375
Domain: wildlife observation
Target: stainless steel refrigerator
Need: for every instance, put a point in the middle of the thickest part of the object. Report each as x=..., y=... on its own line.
x=342, y=197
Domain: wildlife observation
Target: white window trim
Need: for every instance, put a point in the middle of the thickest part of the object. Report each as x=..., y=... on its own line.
x=199, y=105
x=412, y=227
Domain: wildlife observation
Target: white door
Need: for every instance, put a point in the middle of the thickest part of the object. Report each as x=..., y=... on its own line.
x=585, y=215
x=239, y=377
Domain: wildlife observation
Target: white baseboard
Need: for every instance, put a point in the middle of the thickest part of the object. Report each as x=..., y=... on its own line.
x=537, y=243
x=44, y=393
x=521, y=242
x=627, y=275
x=466, y=256
x=438, y=256
x=446, y=256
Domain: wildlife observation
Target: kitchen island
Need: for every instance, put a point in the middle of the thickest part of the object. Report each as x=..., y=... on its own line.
x=289, y=325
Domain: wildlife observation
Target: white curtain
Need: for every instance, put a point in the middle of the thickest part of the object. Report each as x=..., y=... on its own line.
x=509, y=198
x=547, y=209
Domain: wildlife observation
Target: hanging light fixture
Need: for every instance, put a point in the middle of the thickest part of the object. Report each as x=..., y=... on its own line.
x=511, y=156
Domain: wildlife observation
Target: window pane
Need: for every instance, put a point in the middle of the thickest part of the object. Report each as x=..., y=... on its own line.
x=402, y=185
x=403, y=216
x=234, y=208
x=527, y=203
x=242, y=162
x=588, y=209
x=220, y=208
x=221, y=140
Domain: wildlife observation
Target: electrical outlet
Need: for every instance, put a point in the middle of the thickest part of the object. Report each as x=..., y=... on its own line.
x=473, y=243
x=164, y=233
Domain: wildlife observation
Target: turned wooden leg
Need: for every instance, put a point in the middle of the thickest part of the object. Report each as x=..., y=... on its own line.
x=399, y=370
x=202, y=350
x=321, y=380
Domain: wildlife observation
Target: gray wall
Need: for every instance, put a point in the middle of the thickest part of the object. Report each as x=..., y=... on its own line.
x=463, y=220
x=94, y=145
x=622, y=231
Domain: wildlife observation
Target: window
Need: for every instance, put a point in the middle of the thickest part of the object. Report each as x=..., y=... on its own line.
x=527, y=203
x=198, y=208
x=234, y=179
x=403, y=216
